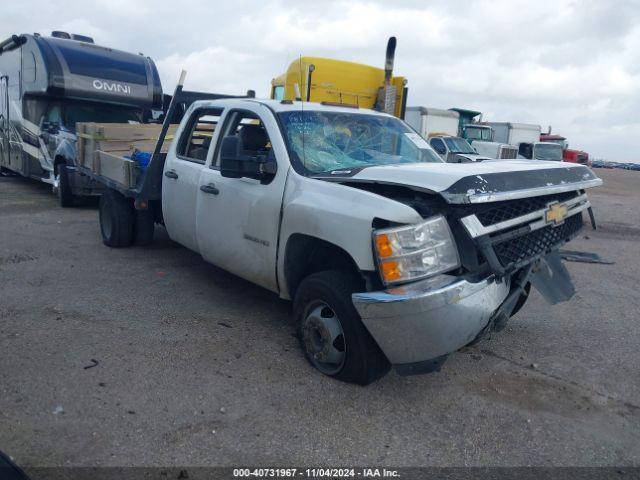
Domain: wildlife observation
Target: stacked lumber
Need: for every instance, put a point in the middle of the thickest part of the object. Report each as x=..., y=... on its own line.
x=102, y=148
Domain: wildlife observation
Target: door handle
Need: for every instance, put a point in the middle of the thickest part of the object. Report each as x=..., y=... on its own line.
x=171, y=174
x=210, y=188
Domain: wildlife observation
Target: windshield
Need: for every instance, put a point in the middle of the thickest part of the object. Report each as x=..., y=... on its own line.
x=562, y=143
x=75, y=112
x=478, y=133
x=548, y=151
x=330, y=141
x=458, y=145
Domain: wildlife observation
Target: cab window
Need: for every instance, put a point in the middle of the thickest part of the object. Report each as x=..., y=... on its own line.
x=278, y=92
x=247, y=126
x=438, y=145
x=196, y=138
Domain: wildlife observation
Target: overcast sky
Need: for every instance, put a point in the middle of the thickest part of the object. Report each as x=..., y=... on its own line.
x=574, y=65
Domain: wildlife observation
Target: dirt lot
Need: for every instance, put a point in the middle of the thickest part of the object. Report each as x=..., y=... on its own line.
x=197, y=367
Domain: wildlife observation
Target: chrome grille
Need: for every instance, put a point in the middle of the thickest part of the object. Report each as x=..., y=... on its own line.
x=518, y=250
x=512, y=234
x=515, y=208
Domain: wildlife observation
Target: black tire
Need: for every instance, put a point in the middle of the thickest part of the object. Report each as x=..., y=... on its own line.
x=66, y=198
x=363, y=361
x=522, y=300
x=117, y=218
x=144, y=227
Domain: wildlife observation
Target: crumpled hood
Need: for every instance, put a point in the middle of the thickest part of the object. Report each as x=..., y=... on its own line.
x=483, y=181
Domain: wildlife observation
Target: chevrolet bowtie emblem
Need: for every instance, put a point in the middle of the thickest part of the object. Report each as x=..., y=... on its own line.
x=556, y=213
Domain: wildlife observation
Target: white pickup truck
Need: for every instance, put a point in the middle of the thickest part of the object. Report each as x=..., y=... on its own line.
x=391, y=256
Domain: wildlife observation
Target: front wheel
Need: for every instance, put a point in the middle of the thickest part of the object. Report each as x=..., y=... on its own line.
x=332, y=335
x=117, y=218
x=66, y=198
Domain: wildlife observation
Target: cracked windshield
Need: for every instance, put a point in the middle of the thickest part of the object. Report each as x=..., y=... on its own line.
x=329, y=141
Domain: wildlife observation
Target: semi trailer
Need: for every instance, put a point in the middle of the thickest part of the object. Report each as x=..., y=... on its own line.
x=391, y=256
x=48, y=84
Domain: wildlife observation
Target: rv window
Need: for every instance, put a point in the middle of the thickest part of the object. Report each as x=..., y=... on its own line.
x=54, y=114
x=196, y=138
x=74, y=112
x=29, y=67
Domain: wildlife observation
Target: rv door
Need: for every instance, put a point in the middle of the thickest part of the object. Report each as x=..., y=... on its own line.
x=4, y=121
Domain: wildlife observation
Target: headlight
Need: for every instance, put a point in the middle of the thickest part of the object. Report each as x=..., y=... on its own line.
x=415, y=251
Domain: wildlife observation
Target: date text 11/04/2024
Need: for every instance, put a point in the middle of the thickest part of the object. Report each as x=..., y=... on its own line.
x=315, y=472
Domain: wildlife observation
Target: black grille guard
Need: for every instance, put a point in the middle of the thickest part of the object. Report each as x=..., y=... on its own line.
x=516, y=242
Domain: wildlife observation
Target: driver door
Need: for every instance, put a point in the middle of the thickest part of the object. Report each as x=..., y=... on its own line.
x=238, y=219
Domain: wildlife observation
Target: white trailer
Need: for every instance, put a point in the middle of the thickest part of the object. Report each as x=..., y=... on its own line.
x=515, y=133
x=431, y=121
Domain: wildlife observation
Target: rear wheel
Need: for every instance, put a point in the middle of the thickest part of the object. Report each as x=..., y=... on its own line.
x=64, y=192
x=117, y=218
x=144, y=227
x=331, y=333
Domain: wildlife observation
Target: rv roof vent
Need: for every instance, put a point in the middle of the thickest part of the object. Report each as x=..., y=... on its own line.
x=59, y=34
x=82, y=38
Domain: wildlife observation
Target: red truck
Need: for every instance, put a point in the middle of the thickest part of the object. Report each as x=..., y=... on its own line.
x=568, y=154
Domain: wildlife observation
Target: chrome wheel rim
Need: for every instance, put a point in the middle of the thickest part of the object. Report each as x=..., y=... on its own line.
x=323, y=338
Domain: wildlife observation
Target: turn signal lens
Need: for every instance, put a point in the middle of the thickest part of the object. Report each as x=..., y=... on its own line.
x=391, y=271
x=384, y=245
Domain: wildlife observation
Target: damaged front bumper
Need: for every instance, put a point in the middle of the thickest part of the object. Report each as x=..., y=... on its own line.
x=417, y=324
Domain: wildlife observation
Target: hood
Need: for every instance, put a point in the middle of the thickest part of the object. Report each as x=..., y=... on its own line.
x=479, y=182
x=466, y=157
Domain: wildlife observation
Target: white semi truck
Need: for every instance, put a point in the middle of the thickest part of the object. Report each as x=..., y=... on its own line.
x=391, y=256
x=526, y=137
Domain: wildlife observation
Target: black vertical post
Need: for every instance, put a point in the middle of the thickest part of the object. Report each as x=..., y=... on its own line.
x=152, y=182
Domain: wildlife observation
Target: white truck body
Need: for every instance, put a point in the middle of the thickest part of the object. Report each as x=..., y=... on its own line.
x=285, y=225
x=456, y=149
x=515, y=133
x=501, y=151
x=430, y=121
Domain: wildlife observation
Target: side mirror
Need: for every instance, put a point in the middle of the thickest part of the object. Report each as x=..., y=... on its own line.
x=234, y=164
x=230, y=162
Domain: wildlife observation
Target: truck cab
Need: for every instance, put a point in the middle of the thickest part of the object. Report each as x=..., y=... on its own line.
x=568, y=154
x=549, y=151
x=456, y=149
x=481, y=138
x=317, y=79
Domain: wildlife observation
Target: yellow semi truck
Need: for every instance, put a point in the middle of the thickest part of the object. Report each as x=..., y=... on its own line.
x=315, y=79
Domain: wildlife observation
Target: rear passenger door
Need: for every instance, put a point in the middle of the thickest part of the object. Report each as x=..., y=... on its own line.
x=182, y=173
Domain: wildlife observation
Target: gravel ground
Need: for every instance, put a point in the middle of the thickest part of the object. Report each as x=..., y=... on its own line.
x=198, y=367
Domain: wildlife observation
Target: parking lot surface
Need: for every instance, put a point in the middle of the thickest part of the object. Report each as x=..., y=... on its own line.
x=150, y=356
